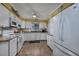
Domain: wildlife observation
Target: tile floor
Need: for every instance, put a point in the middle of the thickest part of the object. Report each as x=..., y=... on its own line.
x=35, y=49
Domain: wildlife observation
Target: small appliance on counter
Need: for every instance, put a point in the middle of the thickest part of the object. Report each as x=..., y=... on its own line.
x=44, y=30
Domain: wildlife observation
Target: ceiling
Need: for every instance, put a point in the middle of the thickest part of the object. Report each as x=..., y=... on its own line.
x=42, y=10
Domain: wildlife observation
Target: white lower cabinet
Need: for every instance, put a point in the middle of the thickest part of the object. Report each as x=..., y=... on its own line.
x=26, y=37
x=29, y=36
x=4, y=49
x=35, y=36
x=43, y=36
x=13, y=47
x=32, y=36
x=8, y=48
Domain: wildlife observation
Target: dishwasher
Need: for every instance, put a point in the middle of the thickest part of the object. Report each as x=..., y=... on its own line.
x=19, y=43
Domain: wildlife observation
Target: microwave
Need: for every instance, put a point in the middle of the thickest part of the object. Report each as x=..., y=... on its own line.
x=13, y=24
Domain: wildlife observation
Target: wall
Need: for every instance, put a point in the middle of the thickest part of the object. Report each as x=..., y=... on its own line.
x=4, y=16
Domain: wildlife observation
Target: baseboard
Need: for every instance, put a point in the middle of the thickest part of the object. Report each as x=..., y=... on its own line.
x=35, y=41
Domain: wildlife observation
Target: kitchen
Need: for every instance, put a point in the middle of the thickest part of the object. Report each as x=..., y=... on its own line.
x=14, y=31
x=28, y=28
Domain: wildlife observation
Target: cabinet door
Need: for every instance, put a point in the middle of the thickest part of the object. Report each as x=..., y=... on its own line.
x=43, y=36
x=71, y=28
x=23, y=39
x=13, y=47
x=32, y=36
x=37, y=36
x=4, y=51
x=26, y=36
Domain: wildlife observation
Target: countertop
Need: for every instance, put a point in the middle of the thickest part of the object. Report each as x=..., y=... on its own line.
x=7, y=38
x=35, y=32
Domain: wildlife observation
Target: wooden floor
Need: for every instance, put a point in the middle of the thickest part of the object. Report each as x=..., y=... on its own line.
x=35, y=49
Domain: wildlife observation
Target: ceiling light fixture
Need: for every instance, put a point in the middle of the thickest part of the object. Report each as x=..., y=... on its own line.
x=34, y=16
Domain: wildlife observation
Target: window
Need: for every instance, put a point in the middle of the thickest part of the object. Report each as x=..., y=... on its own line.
x=35, y=26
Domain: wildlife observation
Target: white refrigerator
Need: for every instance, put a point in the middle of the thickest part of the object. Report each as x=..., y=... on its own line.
x=66, y=32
